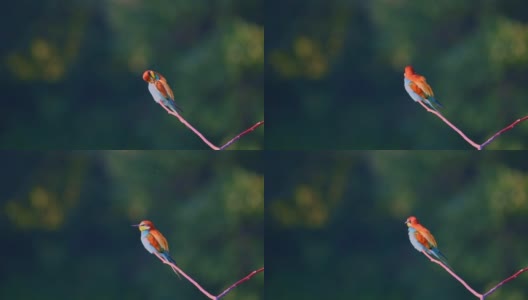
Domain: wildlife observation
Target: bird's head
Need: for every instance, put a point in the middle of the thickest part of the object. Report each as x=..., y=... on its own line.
x=409, y=70
x=144, y=225
x=412, y=220
x=150, y=76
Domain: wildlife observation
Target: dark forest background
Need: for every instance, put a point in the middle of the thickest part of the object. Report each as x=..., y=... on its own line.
x=66, y=217
x=71, y=73
x=334, y=73
x=335, y=224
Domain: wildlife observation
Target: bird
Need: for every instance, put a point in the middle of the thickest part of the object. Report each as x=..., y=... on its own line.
x=418, y=88
x=154, y=241
x=423, y=240
x=160, y=90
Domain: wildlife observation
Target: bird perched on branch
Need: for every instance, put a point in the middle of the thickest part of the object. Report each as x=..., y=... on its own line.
x=154, y=241
x=160, y=90
x=423, y=240
x=418, y=88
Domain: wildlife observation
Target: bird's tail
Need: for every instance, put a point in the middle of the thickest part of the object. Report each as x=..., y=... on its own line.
x=432, y=100
x=169, y=259
x=440, y=256
x=436, y=102
x=174, y=107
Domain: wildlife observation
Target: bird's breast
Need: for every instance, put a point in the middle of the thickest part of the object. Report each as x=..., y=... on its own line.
x=155, y=93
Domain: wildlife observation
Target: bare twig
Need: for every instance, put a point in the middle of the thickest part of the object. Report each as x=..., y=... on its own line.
x=454, y=275
x=205, y=140
x=503, y=130
x=438, y=114
x=197, y=285
x=476, y=294
x=504, y=281
x=234, y=285
x=472, y=143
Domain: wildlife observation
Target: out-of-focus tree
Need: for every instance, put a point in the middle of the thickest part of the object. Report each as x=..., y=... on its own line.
x=335, y=224
x=71, y=73
x=334, y=73
x=66, y=217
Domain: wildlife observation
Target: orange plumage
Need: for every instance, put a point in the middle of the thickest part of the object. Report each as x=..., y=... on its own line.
x=422, y=234
x=160, y=89
x=419, y=83
x=157, y=240
x=417, y=87
x=422, y=240
x=155, y=243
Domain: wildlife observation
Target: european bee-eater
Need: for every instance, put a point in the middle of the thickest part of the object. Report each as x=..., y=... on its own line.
x=417, y=87
x=160, y=90
x=154, y=241
x=423, y=240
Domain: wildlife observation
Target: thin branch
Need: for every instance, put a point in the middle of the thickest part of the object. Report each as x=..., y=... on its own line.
x=197, y=285
x=476, y=294
x=454, y=275
x=241, y=135
x=205, y=140
x=438, y=114
x=472, y=143
x=504, y=281
x=239, y=282
x=176, y=269
x=503, y=130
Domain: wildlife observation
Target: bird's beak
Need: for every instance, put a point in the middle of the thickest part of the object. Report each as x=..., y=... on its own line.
x=135, y=225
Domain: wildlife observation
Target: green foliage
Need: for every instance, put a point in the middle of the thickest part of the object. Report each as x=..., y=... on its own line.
x=334, y=73
x=71, y=73
x=67, y=218
x=335, y=224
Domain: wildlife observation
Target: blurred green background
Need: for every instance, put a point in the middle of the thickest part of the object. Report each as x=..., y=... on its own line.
x=66, y=219
x=335, y=224
x=334, y=73
x=71, y=73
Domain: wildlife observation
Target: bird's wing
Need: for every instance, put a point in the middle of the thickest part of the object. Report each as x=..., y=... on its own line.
x=421, y=239
x=422, y=84
x=417, y=90
x=164, y=88
x=426, y=236
x=160, y=240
